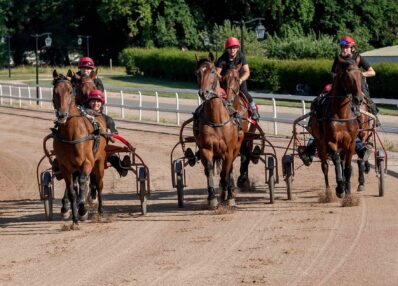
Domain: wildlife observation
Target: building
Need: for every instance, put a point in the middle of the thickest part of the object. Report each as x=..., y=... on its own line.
x=386, y=55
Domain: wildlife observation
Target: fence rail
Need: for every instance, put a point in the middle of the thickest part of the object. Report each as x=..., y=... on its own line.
x=149, y=100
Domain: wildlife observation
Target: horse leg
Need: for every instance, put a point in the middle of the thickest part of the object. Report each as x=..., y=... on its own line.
x=209, y=168
x=339, y=178
x=72, y=195
x=361, y=175
x=325, y=170
x=83, y=180
x=99, y=183
x=65, y=210
x=348, y=170
x=93, y=188
x=243, y=179
x=227, y=182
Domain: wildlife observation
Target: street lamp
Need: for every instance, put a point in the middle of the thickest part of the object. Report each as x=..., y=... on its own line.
x=9, y=53
x=260, y=30
x=80, y=42
x=48, y=42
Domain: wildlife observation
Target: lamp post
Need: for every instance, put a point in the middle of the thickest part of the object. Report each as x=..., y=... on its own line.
x=48, y=42
x=80, y=42
x=260, y=30
x=9, y=53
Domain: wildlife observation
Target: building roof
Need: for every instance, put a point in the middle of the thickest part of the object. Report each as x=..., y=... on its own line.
x=391, y=51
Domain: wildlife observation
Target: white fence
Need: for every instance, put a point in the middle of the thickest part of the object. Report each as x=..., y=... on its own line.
x=148, y=100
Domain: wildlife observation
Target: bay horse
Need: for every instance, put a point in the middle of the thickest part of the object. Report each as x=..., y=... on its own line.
x=218, y=135
x=340, y=125
x=230, y=82
x=78, y=146
x=83, y=84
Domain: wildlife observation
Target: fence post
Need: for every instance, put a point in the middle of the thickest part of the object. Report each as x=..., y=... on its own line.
x=1, y=94
x=41, y=97
x=140, y=105
x=157, y=107
x=275, y=116
x=303, y=103
x=10, y=95
x=106, y=101
x=122, y=104
x=19, y=95
x=30, y=102
x=178, y=109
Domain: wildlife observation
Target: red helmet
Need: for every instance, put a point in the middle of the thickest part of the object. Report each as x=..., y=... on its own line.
x=96, y=95
x=347, y=41
x=86, y=62
x=231, y=41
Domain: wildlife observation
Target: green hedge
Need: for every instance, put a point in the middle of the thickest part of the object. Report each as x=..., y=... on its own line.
x=276, y=76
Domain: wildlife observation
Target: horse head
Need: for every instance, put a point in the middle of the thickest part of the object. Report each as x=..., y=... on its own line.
x=349, y=79
x=63, y=97
x=83, y=84
x=206, y=75
x=230, y=82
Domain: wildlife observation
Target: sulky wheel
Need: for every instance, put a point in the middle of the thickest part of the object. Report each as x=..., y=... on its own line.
x=180, y=182
x=287, y=171
x=380, y=167
x=47, y=187
x=271, y=179
x=142, y=191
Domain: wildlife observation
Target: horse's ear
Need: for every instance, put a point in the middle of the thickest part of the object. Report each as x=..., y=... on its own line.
x=238, y=67
x=55, y=74
x=211, y=56
x=69, y=73
x=196, y=57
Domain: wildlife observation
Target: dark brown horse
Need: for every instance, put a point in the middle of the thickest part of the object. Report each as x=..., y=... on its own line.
x=230, y=82
x=339, y=125
x=218, y=134
x=83, y=84
x=78, y=147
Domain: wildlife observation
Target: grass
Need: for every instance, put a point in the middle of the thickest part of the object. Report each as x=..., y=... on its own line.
x=117, y=77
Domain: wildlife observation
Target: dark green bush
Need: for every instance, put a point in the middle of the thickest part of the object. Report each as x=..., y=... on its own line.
x=275, y=76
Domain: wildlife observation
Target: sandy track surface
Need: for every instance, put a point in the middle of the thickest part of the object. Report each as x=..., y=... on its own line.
x=299, y=242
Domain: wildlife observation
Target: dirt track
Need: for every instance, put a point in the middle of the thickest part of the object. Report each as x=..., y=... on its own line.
x=299, y=242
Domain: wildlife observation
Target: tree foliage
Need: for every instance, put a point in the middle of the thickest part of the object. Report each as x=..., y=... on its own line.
x=116, y=24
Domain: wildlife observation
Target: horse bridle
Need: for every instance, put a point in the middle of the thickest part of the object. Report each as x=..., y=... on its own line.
x=209, y=94
x=56, y=103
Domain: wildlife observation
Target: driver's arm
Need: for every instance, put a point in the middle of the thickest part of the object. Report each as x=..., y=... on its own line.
x=246, y=73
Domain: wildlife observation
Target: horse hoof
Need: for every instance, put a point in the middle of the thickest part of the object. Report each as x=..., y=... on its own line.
x=232, y=202
x=361, y=188
x=93, y=202
x=213, y=203
x=340, y=195
x=224, y=196
x=243, y=184
x=82, y=214
x=65, y=214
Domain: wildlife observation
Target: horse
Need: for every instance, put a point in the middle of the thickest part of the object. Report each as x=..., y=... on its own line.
x=83, y=84
x=78, y=147
x=218, y=134
x=230, y=82
x=339, y=123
